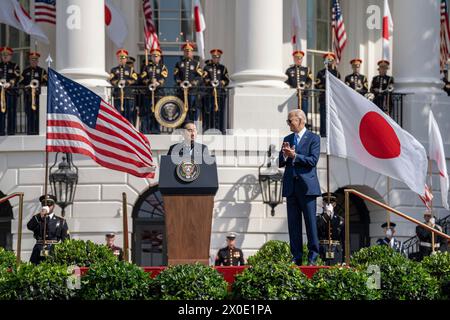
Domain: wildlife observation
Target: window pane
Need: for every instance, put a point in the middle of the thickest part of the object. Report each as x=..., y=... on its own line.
x=169, y=15
x=169, y=30
x=323, y=9
x=169, y=4
x=322, y=36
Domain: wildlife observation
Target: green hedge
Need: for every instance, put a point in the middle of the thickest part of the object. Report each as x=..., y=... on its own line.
x=273, y=281
x=80, y=253
x=7, y=259
x=189, y=282
x=116, y=280
x=29, y=282
x=341, y=283
x=401, y=278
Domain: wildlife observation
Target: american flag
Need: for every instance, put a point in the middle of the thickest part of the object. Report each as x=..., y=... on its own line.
x=45, y=11
x=79, y=121
x=445, y=33
x=427, y=198
x=338, y=30
x=151, y=37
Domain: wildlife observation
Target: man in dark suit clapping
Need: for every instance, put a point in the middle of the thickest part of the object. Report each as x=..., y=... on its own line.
x=299, y=155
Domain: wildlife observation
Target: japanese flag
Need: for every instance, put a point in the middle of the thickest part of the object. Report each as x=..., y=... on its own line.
x=116, y=25
x=295, y=27
x=358, y=130
x=200, y=26
x=388, y=29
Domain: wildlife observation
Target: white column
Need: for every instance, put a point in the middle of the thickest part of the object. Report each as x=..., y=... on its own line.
x=416, y=45
x=80, y=41
x=259, y=40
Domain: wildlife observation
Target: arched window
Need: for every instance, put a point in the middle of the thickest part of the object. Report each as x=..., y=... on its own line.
x=149, y=234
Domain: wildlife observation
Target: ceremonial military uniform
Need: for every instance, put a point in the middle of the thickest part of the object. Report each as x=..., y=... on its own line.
x=188, y=69
x=230, y=255
x=380, y=86
x=425, y=241
x=446, y=86
x=331, y=234
x=395, y=244
x=126, y=74
x=117, y=251
x=152, y=74
x=9, y=73
x=215, y=73
x=32, y=103
x=356, y=80
x=320, y=83
x=300, y=76
x=56, y=230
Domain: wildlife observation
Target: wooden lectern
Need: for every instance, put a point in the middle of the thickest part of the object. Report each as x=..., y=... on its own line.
x=188, y=210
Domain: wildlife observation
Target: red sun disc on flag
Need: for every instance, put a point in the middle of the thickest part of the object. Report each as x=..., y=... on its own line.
x=378, y=137
x=107, y=16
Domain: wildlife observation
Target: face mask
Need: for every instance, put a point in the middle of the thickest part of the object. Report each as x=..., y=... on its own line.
x=329, y=209
x=389, y=233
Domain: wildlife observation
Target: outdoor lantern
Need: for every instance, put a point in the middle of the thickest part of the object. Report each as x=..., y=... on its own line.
x=64, y=181
x=270, y=180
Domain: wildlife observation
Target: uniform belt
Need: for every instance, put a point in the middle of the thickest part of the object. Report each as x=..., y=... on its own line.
x=332, y=242
x=47, y=241
x=428, y=244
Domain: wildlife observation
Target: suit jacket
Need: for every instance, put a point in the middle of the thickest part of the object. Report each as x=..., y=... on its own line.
x=308, y=152
x=200, y=150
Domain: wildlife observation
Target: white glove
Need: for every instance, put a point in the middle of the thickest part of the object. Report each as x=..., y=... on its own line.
x=329, y=209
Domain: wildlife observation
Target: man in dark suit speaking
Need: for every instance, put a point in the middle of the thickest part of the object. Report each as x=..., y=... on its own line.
x=189, y=149
x=299, y=155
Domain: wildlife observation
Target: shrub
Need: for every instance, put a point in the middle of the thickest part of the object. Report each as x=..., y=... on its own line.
x=7, y=259
x=115, y=280
x=190, y=282
x=438, y=264
x=42, y=282
x=401, y=278
x=340, y=283
x=80, y=253
x=272, y=281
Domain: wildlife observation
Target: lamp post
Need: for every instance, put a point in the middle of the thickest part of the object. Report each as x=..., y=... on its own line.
x=63, y=181
x=270, y=180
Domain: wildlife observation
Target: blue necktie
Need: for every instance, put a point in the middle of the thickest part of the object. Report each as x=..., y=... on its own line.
x=295, y=148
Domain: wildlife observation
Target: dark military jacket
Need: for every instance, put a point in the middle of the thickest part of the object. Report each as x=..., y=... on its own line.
x=446, y=86
x=424, y=235
x=230, y=257
x=126, y=73
x=321, y=77
x=335, y=226
x=29, y=74
x=117, y=251
x=397, y=245
x=297, y=74
x=188, y=70
x=356, y=79
x=152, y=71
x=56, y=229
x=214, y=71
x=10, y=72
x=380, y=82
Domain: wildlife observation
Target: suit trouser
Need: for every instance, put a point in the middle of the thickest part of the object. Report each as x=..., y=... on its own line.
x=298, y=205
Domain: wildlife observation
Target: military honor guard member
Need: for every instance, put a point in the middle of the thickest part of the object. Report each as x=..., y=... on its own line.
x=330, y=227
x=216, y=78
x=188, y=75
x=117, y=251
x=33, y=78
x=390, y=240
x=320, y=83
x=153, y=76
x=300, y=78
x=122, y=78
x=425, y=236
x=356, y=80
x=382, y=86
x=9, y=78
x=48, y=229
x=230, y=255
x=446, y=86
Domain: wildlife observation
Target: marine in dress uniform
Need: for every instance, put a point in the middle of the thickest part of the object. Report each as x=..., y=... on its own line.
x=124, y=74
x=446, y=86
x=230, y=255
x=356, y=80
x=330, y=227
x=215, y=73
x=425, y=237
x=188, y=69
x=56, y=229
x=380, y=86
x=320, y=83
x=154, y=74
x=9, y=76
x=30, y=75
x=117, y=251
x=390, y=239
x=299, y=76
